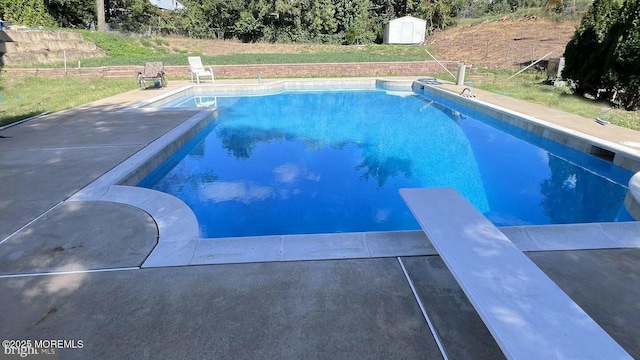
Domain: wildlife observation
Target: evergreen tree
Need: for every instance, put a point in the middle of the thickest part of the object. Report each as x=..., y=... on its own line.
x=623, y=60
x=584, y=55
x=603, y=57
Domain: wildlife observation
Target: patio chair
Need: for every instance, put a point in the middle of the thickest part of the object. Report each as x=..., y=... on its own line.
x=153, y=72
x=197, y=69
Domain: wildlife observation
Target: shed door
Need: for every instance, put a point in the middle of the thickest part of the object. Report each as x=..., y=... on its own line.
x=406, y=31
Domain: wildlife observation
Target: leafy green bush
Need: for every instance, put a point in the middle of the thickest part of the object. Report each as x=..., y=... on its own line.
x=248, y=28
x=602, y=58
x=623, y=57
x=27, y=12
x=584, y=53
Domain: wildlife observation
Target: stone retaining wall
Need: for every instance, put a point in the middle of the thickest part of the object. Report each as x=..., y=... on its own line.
x=25, y=47
x=410, y=68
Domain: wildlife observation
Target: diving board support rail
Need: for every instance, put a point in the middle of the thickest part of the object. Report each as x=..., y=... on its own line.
x=529, y=316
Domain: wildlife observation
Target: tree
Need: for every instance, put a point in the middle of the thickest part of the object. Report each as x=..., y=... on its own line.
x=72, y=13
x=355, y=21
x=603, y=56
x=584, y=54
x=248, y=28
x=100, y=12
x=623, y=58
x=319, y=17
x=284, y=19
x=203, y=18
x=227, y=12
x=27, y=12
x=130, y=15
x=193, y=21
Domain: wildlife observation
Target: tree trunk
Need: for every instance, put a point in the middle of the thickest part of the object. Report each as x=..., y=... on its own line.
x=102, y=26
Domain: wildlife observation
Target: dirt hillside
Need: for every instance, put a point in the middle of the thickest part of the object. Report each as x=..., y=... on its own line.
x=503, y=44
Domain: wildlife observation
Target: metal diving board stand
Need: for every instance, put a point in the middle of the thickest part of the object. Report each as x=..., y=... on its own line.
x=529, y=316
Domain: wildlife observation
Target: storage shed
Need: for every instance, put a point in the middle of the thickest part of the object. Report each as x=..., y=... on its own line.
x=167, y=4
x=405, y=30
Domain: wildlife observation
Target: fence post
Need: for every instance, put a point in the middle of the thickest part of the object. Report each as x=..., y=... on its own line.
x=460, y=77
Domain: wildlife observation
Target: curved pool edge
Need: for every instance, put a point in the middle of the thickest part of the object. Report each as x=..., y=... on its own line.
x=632, y=200
x=177, y=225
x=178, y=228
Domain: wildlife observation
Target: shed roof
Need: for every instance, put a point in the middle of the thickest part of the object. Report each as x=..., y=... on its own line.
x=405, y=18
x=167, y=4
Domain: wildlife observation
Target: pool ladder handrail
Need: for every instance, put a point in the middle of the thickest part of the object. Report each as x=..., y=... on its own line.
x=466, y=92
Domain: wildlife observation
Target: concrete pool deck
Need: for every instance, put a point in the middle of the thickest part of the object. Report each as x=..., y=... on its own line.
x=71, y=269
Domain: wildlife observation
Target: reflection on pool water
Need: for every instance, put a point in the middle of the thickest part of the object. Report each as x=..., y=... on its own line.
x=318, y=162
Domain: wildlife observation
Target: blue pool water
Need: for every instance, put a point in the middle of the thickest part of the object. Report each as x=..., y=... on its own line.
x=322, y=162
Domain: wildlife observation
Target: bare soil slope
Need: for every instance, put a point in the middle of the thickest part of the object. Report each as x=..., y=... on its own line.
x=505, y=43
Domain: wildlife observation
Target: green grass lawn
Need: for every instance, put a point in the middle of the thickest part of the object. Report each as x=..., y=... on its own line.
x=249, y=59
x=530, y=87
x=24, y=96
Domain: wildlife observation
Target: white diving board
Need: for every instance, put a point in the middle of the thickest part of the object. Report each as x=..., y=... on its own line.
x=529, y=316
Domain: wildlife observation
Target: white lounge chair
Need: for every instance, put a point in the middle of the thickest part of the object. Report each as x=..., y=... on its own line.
x=197, y=69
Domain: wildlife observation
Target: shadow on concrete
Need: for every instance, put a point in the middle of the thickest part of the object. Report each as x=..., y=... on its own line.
x=48, y=159
x=77, y=236
x=346, y=309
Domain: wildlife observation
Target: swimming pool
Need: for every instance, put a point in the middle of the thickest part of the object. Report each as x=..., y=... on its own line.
x=332, y=161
